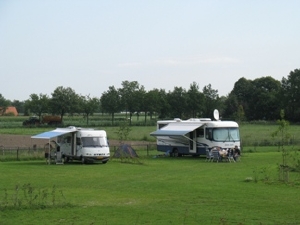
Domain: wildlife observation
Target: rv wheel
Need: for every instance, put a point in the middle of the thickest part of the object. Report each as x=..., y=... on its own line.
x=175, y=152
x=82, y=160
x=66, y=159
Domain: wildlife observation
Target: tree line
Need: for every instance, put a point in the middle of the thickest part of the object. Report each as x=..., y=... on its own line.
x=259, y=99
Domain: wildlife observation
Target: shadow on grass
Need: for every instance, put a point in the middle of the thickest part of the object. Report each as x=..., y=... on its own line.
x=44, y=163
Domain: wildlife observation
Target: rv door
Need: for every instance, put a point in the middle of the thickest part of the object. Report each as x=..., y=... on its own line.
x=193, y=142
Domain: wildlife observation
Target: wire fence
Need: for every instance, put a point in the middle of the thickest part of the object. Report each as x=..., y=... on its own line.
x=142, y=150
x=38, y=152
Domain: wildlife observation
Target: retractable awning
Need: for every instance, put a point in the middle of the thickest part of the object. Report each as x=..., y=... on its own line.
x=176, y=129
x=52, y=134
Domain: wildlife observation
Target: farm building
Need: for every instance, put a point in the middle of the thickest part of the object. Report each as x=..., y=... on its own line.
x=9, y=110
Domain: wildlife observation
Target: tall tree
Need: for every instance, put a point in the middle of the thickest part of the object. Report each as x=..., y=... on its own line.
x=164, y=105
x=140, y=97
x=211, y=100
x=263, y=103
x=291, y=95
x=37, y=104
x=195, y=101
x=89, y=106
x=129, y=97
x=4, y=103
x=178, y=102
x=111, y=102
x=64, y=100
x=19, y=106
x=239, y=98
x=152, y=102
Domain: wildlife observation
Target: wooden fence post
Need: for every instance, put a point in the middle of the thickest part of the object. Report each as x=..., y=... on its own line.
x=147, y=149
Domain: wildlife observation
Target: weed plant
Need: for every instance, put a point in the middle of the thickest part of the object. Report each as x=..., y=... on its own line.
x=27, y=197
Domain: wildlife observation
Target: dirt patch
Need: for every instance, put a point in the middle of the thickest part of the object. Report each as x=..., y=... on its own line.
x=25, y=141
x=22, y=141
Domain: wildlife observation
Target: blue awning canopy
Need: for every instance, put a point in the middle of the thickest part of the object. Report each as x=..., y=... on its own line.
x=176, y=129
x=53, y=133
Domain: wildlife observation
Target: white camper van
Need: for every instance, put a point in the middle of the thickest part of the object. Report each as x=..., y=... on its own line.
x=73, y=143
x=194, y=136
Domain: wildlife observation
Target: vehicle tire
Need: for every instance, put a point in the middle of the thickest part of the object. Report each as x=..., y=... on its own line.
x=66, y=159
x=104, y=162
x=83, y=160
x=175, y=152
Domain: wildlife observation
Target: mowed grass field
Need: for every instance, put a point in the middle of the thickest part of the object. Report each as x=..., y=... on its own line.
x=159, y=190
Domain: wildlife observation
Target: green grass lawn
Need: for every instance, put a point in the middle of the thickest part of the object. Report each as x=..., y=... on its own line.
x=160, y=190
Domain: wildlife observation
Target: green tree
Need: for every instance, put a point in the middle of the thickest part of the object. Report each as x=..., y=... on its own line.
x=64, y=100
x=4, y=103
x=89, y=106
x=164, y=105
x=152, y=102
x=283, y=134
x=111, y=102
x=139, y=96
x=37, y=104
x=178, y=102
x=263, y=102
x=291, y=95
x=231, y=105
x=130, y=97
x=19, y=106
x=211, y=101
x=195, y=100
x=239, y=96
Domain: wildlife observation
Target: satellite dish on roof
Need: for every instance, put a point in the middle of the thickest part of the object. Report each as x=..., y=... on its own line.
x=216, y=114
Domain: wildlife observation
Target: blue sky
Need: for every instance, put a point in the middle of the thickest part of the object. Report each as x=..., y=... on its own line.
x=91, y=45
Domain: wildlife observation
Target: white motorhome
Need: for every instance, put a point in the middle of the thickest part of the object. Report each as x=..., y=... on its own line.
x=194, y=136
x=73, y=143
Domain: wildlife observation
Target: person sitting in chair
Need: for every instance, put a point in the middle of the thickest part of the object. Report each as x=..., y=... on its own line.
x=237, y=153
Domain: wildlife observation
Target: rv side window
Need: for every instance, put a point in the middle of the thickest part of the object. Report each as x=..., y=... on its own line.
x=67, y=139
x=200, y=132
x=78, y=141
x=208, y=134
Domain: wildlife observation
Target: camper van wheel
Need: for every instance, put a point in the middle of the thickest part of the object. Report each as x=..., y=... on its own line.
x=175, y=152
x=82, y=160
x=66, y=159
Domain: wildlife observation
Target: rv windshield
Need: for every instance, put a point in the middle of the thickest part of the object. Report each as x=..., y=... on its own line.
x=226, y=134
x=94, y=142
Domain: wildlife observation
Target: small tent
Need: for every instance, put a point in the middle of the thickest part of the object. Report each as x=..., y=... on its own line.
x=125, y=151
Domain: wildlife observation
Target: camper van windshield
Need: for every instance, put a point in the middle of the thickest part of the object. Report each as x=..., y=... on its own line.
x=226, y=134
x=94, y=142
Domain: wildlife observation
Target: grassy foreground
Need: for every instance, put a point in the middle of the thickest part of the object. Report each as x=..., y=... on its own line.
x=158, y=191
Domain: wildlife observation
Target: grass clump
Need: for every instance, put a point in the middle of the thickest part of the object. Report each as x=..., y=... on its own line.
x=27, y=197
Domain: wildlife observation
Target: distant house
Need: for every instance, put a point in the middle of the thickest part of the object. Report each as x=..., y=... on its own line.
x=9, y=110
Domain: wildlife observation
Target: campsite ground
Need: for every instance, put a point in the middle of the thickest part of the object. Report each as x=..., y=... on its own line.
x=160, y=190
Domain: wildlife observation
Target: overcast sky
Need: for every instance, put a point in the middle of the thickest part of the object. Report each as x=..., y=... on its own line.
x=91, y=45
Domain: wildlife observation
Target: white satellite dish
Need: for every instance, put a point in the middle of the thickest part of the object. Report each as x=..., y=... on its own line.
x=216, y=114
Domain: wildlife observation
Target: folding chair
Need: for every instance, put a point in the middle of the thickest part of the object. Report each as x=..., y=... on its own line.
x=209, y=156
x=215, y=155
x=230, y=156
